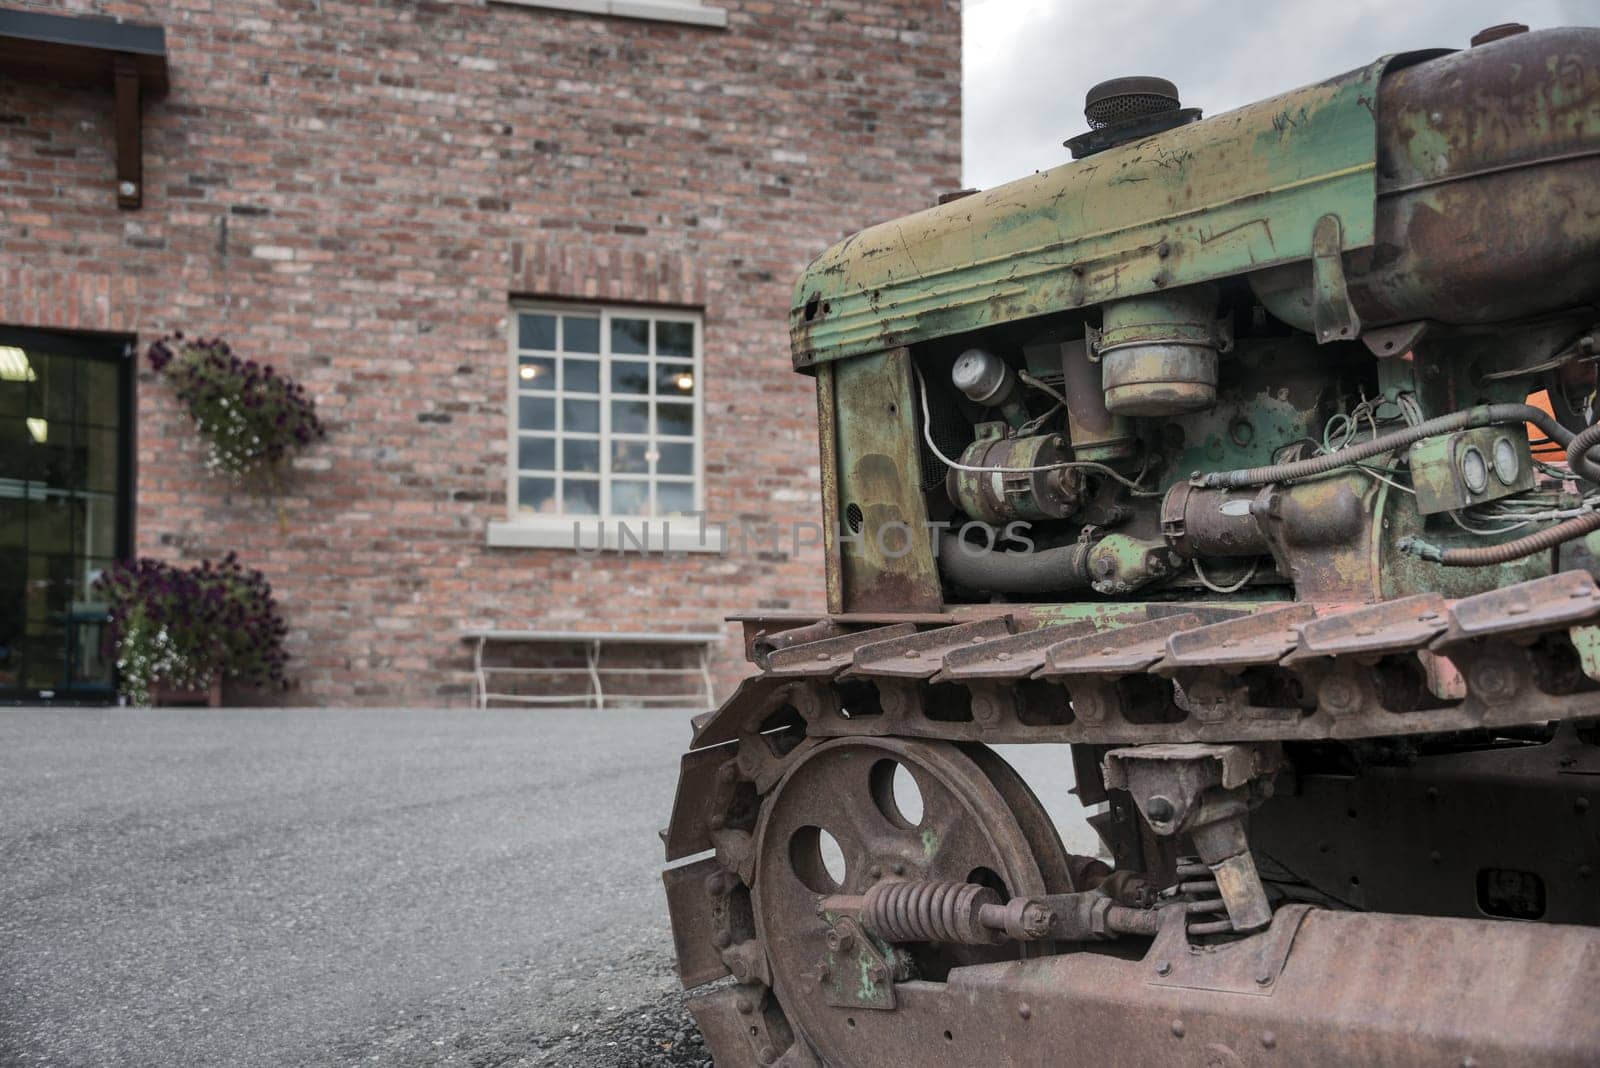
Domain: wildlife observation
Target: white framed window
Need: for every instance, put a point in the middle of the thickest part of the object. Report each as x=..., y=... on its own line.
x=607, y=417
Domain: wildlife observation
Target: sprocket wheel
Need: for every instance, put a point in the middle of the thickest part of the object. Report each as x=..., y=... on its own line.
x=979, y=822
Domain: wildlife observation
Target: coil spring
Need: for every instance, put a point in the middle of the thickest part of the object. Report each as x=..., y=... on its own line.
x=928, y=911
x=1196, y=883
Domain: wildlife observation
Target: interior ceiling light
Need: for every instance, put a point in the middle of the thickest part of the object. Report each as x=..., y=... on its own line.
x=528, y=372
x=686, y=381
x=14, y=365
x=40, y=429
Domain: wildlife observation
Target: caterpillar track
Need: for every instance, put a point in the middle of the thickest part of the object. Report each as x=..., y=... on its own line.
x=930, y=696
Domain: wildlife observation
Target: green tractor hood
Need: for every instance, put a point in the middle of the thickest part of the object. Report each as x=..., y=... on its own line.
x=1215, y=198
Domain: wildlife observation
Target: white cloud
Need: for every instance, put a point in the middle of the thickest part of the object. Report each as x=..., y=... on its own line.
x=1028, y=63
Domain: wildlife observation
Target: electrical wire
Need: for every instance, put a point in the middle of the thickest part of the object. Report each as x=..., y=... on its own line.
x=1249, y=574
x=1039, y=385
x=927, y=438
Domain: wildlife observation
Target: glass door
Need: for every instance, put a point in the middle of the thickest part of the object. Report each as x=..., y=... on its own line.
x=65, y=495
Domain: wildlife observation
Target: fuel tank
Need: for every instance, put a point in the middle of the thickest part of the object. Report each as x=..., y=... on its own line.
x=1488, y=187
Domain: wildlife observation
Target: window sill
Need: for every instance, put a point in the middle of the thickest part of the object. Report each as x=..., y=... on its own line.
x=654, y=10
x=589, y=536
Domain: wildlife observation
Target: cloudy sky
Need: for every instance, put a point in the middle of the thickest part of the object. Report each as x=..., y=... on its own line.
x=1029, y=62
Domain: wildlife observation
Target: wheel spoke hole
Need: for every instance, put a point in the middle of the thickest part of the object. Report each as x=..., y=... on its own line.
x=990, y=878
x=896, y=793
x=817, y=860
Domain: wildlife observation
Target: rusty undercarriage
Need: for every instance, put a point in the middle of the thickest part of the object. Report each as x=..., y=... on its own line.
x=1348, y=794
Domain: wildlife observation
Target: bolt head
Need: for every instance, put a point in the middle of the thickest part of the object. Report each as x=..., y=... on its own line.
x=1160, y=809
x=1264, y=979
x=767, y=1055
x=745, y=1006
x=1025, y=1011
x=1164, y=967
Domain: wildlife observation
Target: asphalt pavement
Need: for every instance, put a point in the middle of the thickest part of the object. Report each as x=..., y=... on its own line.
x=345, y=886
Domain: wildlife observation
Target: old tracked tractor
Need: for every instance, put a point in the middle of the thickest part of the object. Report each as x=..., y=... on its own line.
x=1208, y=458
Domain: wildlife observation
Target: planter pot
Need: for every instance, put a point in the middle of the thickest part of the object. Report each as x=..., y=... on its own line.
x=211, y=697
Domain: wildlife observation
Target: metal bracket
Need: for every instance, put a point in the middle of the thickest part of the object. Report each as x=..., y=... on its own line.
x=1249, y=966
x=1396, y=340
x=1332, y=313
x=855, y=974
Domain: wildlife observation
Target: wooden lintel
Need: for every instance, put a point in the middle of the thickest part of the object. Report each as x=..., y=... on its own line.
x=130, y=140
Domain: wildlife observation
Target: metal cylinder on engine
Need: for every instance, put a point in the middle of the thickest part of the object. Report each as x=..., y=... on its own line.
x=1158, y=352
x=1020, y=478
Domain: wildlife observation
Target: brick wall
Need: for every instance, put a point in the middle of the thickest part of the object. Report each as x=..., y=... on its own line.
x=354, y=190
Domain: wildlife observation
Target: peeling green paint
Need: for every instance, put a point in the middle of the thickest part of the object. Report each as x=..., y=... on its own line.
x=1214, y=199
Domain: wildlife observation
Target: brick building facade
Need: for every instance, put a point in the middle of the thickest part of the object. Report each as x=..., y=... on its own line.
x=364, y=192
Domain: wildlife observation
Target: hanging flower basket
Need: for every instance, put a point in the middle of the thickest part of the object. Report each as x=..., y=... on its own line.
x=178, y=633
x=251, y=416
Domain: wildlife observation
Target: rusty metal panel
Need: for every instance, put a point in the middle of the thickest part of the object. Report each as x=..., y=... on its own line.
x=1259, y=639
x=828, y=657
x=1566, y=598
x=1116, y=652
x=1394, y=626
x=688, y=832
x=693, y=922
x=886, y=554
x=1220, y=197
x=919, y=656
x=1015, y=657
x=828, y=445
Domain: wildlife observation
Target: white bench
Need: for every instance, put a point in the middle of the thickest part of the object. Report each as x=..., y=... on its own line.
x=594, y=673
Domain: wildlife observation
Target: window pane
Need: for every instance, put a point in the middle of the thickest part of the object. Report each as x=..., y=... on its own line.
x=580, y=455
x=630, y=498
x=581, y=497
x=675, y=419
x=580, y=335
x=581, y=416
x=675, y=380
x=630, y=457
x=630, y=336
x=535, y=331
x=675, y=459
x=536, y=413
x=630, y=417
x=536, y=372
x=674, y=498
x=580, y=376
x=674, y=339
x=630, y=377
x=536, y=495
x=536, y=454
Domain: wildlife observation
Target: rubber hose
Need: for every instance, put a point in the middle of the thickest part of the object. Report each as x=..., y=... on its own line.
x=1489, y=555
x=1578, y=454
x=989, y=571
x=1482, y=415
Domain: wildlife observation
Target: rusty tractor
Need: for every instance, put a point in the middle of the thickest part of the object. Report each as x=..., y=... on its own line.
x=1248, y=457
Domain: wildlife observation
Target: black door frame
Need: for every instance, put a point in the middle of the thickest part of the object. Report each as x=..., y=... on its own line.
x=121, y=349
